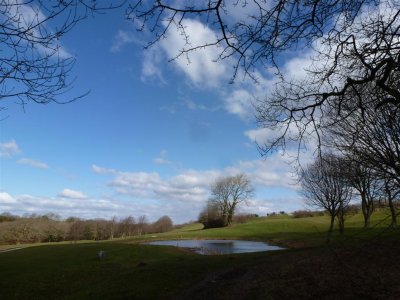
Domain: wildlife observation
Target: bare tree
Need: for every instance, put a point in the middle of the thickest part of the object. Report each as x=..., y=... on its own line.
x=371, y=137
x=142, y=225
x=127, y=226
x=355, y=44
x=34, y=66
x=324, y=186
x=228, y=192
x=368, y=185
x=391, y=194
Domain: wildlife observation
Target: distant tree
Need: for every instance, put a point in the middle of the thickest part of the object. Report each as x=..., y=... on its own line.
x=163, y=224
x=211, y=216
x=127, y=226
x=112, y=226
x=7, y=217
x=324, y=186
x=76, y=231
x=72, y=219
x=142, y=225
x=228, y=192
x=367, y=184
x=371, y=137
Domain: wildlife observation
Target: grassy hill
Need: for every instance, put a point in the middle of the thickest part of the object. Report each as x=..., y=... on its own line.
x=132, y=270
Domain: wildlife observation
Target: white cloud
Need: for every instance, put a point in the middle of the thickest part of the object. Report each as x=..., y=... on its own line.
x=6, y=198
x=93, y=207
x=200, y=66
x=192, y=186
x=33, y=163
x=29, y=16
x=9, y=149
x=258, y=135
x=72, y=194
x=122, y=39
x=151, y=67
x=90, y=208
x=101, y=170
x=181, y=196
x=239, y=103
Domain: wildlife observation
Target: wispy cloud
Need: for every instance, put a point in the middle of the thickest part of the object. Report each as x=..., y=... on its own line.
x=162, y=159
x=9, y=149
x=123, y=38
x=33, y=163
x=72, y=194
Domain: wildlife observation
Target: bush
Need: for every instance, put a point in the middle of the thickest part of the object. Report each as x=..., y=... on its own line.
x=243, y=218
x=307, y=213
x=210, y=217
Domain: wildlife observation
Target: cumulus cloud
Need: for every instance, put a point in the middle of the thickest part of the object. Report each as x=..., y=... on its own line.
x=6, y=198
x=90, y=208
x=239, y=103
x=94, y=207
x=259, y=135
x=33, y=163
x=181, y=196
x=201, y=66
x=192, y=186
x=9, y=149
x=72, y=194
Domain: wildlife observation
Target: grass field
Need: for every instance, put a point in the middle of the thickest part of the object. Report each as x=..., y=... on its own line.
x=132, y=270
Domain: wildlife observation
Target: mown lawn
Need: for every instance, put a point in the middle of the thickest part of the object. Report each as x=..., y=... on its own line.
x=135, y=271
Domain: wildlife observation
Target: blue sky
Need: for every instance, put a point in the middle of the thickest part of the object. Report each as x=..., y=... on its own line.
x=148, y=139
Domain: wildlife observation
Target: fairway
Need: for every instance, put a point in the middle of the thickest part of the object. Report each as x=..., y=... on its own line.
x=132, y=270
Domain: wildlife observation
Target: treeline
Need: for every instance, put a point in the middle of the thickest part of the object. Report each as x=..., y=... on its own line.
x=51, y=228
x=332, y=181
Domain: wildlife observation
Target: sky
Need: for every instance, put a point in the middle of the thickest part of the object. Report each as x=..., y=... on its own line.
x=149, y=138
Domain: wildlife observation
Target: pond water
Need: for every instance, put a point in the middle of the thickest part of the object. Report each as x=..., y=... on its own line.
x=210, y=247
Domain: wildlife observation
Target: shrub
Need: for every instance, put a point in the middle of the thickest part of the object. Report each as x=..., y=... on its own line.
x=307, y=213
x=210, y=217
x=243, y=218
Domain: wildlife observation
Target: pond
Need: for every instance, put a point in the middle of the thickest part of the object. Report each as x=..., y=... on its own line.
x=210, y=247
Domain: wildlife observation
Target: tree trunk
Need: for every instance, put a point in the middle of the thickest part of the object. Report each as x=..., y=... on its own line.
x=231, y=213
x=365, y=210
x=340, y=217
x=329, y=236
x=390, y=197
x=393, y=213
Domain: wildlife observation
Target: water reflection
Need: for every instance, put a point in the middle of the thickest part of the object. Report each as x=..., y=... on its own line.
x=209, y=247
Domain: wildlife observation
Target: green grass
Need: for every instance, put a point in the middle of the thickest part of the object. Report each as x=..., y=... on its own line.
x=135, y=271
